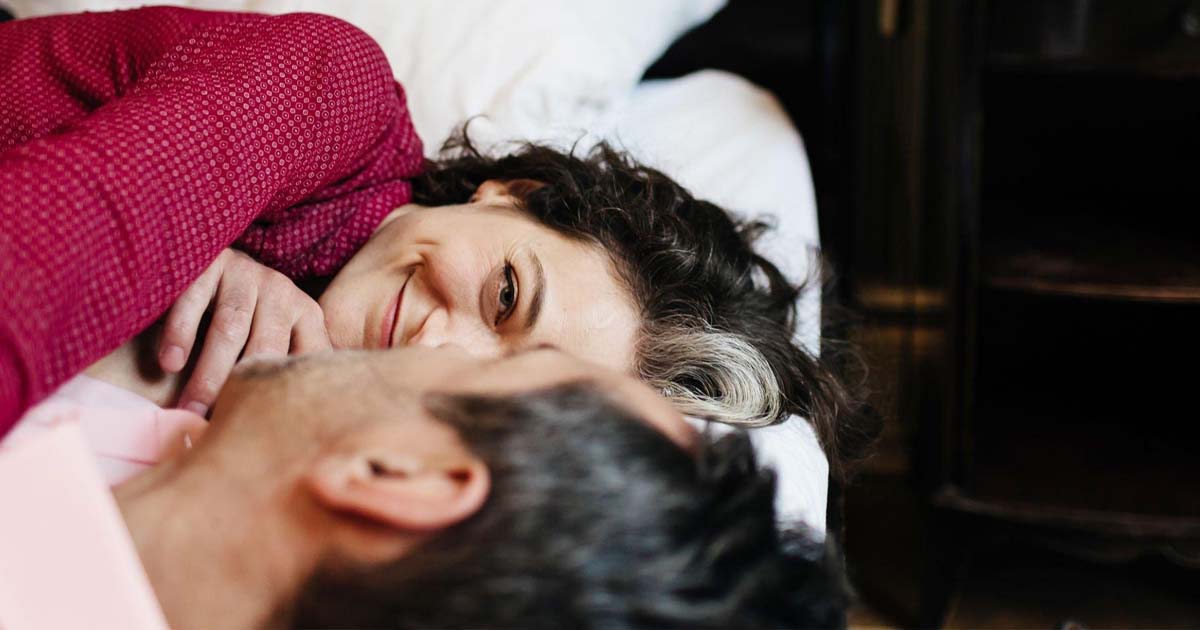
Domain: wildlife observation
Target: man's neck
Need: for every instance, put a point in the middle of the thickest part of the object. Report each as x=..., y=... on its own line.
x=217, y=554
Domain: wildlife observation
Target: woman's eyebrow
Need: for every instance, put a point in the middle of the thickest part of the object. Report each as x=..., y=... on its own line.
x=539, y=291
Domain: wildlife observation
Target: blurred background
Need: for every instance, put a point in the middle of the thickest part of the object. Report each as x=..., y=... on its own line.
x=1007, y=192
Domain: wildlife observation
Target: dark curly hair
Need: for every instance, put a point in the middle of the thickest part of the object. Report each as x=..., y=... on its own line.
x=717, y=318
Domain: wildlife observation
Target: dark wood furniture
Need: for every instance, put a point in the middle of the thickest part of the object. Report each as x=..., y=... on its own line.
x=1025, y=222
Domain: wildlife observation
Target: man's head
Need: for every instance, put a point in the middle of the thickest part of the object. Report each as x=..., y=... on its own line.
x=428, y=488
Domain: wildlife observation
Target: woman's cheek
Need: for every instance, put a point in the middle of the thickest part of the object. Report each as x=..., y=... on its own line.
x=337, y=324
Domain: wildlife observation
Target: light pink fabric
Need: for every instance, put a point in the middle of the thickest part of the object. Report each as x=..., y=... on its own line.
x=67, y=559
x=125, y=433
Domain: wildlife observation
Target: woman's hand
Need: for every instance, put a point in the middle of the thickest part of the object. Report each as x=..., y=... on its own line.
x=256, y=311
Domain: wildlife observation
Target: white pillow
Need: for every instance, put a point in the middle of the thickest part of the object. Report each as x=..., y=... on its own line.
x=521, y=63
x=727, y=141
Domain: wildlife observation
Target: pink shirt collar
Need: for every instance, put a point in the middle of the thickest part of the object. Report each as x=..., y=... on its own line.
x=125, y=433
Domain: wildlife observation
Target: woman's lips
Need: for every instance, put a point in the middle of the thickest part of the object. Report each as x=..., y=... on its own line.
x=390, y=321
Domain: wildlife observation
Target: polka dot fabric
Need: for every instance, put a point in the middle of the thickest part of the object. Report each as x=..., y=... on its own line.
x=136, y=145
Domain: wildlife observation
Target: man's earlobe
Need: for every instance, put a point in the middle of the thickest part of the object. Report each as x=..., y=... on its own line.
x=399, y=491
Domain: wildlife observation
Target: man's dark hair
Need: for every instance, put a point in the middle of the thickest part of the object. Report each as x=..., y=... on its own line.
x=718, y=319
x=595, y=520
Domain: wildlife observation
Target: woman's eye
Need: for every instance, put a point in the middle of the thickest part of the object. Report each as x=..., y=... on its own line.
x=508, y=295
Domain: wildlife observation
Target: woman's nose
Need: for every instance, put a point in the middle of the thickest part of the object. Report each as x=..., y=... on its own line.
x=450, y=346
x=442, y=329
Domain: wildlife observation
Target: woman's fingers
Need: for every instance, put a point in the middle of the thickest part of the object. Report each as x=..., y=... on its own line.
x=236, y=300
x=285, y=318
x=309, y=334
x=271, y=333
x=183, y=320
x=257, y=311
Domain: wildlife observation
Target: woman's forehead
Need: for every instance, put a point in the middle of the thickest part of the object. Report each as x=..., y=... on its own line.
x=585, y=307
x=588, y=310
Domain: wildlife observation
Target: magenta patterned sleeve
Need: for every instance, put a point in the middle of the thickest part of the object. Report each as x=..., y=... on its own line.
x=136, y=145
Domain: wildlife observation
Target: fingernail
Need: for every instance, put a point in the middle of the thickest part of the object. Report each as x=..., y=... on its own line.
x=172, y=358
x=197, y=408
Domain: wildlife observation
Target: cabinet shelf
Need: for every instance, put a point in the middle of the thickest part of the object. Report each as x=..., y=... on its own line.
x=1081, y=416
x=1088, y=257
x=1113, y=525
x=1092, y=473
x=1148, y=37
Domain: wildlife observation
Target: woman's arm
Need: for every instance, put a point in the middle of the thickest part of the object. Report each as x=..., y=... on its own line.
x=56, y=70
x=284, y=134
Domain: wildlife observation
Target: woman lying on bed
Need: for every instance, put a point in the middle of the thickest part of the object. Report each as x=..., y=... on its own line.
x=158, y=140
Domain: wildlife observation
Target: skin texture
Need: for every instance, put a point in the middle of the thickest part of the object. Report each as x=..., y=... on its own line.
x=450, y=262
x=258, y=312
x=287, y=475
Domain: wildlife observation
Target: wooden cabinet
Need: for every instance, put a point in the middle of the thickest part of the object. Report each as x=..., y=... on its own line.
x=1028, y=214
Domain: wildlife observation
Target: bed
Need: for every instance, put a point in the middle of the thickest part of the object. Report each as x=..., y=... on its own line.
x=573, y=72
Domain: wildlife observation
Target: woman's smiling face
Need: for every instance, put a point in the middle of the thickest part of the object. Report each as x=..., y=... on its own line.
x=483, y=276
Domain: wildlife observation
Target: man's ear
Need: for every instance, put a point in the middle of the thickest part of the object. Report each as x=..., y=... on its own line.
x=406, y=490
x=504, y=192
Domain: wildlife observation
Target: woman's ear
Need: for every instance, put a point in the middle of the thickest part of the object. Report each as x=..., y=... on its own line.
x=507, y=192
x=396, y=214
x=405, y=491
